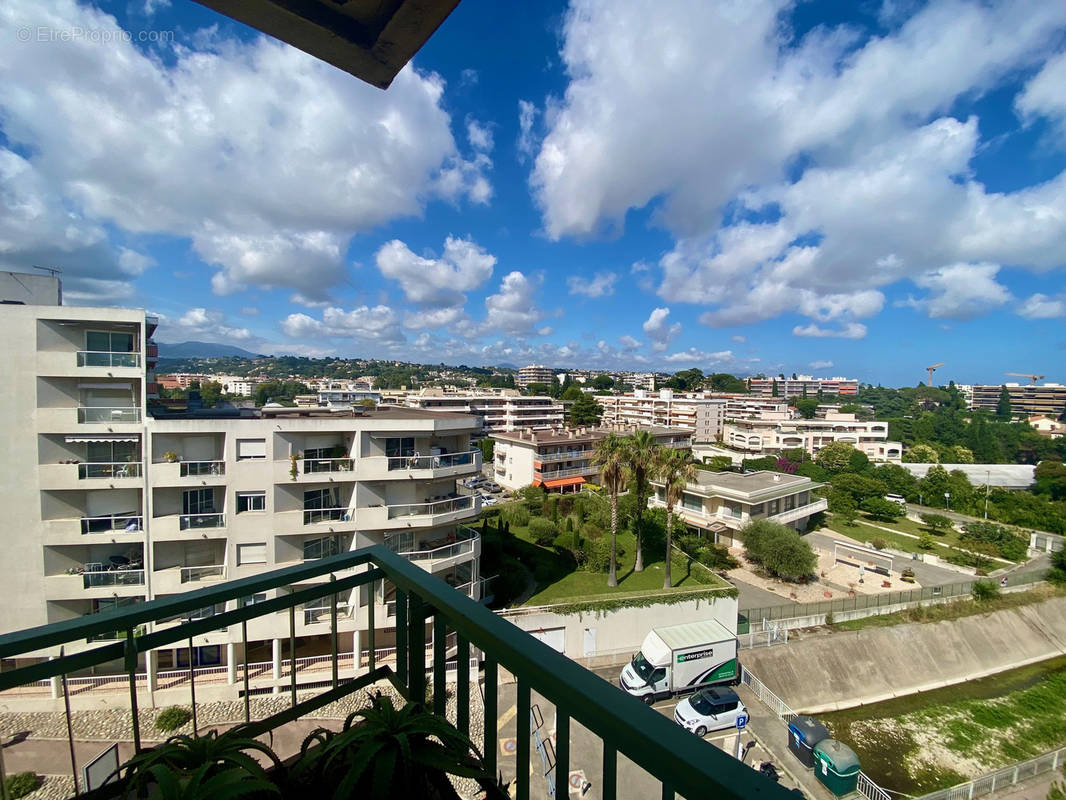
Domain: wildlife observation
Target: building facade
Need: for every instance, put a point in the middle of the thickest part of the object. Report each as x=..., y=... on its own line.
x=718, y=504
x=803, y=386
x=560, y=460
x=499, y=410
x=763, y=436
x=109, y=505
x=700, y=414
x=534, y=373
x=1025, y=400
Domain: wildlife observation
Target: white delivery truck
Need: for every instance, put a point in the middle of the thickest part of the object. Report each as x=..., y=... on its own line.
x=682, y=658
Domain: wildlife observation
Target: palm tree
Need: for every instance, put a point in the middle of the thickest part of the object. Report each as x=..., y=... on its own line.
x=676, y=470
x=610, y=457
x=641, y=449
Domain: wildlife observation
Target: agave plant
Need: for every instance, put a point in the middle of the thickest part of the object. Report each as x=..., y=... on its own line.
x=213, y=765
x=384, y=752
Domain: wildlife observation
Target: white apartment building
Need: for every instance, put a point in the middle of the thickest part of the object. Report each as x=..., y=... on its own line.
x=718, y=504
x=534, y=373
x=560, y=460
x=110, y=506
x=803, y=385
x=698, y=413
x=747, y=406
x=500, y=410
x=236, y=384
x=769, y=436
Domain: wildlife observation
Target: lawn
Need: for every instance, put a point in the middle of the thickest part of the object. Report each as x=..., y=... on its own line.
x=864, y=530
x=557, y=581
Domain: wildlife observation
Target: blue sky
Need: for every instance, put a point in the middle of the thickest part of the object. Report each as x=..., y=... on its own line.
x=746, y=187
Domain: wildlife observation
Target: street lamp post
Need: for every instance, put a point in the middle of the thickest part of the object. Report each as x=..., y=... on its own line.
x=947, y=500
x=988, y=476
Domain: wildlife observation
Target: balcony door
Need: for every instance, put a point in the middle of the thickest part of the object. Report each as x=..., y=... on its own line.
x=198, y=501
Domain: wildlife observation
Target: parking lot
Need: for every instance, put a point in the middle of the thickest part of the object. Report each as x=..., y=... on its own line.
x=491, y=493
x=586, y=750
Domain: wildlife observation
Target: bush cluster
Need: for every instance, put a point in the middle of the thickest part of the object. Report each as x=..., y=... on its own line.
x=780, y=550
x=172, y=718
x=21, y=784
x=999, y=539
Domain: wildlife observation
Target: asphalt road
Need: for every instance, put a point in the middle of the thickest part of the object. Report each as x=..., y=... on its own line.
x=926, y=574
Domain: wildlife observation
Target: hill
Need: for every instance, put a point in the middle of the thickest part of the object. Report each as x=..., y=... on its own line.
x=202, y=350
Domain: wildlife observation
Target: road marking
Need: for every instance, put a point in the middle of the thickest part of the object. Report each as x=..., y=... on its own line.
x=509, y=746
x=576, y=781
x=507, y=715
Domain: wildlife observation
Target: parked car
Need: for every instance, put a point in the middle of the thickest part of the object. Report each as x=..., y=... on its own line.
x=491, y=486
x=473, y=483
x=489, y=500
x=709, y=710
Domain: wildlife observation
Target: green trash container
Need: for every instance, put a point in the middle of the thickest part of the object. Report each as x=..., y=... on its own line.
x=836, y=766
x=743, y=626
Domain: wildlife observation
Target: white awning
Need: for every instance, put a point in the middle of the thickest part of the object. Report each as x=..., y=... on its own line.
x=118, y=386
x=115, y=438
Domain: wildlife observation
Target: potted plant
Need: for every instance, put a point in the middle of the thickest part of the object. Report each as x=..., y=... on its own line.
x=385, y=752
x=170, y=457
x=294, y=468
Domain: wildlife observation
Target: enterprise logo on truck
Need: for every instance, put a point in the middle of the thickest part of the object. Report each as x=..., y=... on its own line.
x=683, y=657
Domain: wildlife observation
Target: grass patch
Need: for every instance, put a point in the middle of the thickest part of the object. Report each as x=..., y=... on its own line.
x=955, y=609
x=865, y=532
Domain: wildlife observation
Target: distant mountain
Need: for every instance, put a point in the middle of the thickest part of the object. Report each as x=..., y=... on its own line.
x=201, y=350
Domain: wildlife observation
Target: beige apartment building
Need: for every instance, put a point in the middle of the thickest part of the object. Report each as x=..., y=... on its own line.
x=718, y=504
x=700, y=414
x=534, y=373
x=803, y=386
x=499, y=410
x=560, y=460
x=769, y=435
x=110, y=506
x=1025, y=399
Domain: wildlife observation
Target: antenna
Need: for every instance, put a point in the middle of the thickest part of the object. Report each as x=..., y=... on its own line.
x=53, y=271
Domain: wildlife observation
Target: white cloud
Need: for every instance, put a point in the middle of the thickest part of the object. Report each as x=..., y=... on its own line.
x=850, y=330
x=738, y=339
x=628, y=342
x=1040, y=306
x=434, y=317
x=266, y=158
x=694, y=356
x=249, y=311
x=1043, y=95
x=961, y=291
x=527, y=115
x=369, y=324
x=600, y=285
x=479, y=136
x=660, y=333
x=437, y=282
x=513, y=309
x=204, y=325
x=820, y=364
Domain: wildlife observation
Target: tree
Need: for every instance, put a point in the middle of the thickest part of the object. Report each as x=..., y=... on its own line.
x=641, y=449
x=487, y=446
x=610, y=457
x=537, y=388
x=1003, y=409
x=774, y=392
x=807, y=406
x=571, y=393
x=1050, y=479
x=881, y=510
x=781, y=550
x=960, y=455
x=860, y=487
x=584, y=411
x=674, y=468
x=720, y=464
x=210, y=393
x=603, y=383
x=937, y=523
x=921, y=454
x=842, y=505
x=836, y=457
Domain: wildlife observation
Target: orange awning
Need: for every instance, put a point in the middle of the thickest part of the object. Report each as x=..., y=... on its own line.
x=563, y=482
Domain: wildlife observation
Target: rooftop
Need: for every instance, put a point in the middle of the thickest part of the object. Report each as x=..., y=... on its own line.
x=548, y=436
x=750, y=483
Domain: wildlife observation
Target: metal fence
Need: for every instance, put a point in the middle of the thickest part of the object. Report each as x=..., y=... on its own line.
x=1001, y=778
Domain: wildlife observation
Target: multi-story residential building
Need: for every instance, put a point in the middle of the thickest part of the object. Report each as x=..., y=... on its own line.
x=534, y=373
x=500, y=410
x=803, y=385
x=698, y=413
x=337, y=395
x=718, y=504
x=560, y=460
x=1047, y=426
x=746, y=406
x=1025, y=399
x=109, y=505
x=767, y=436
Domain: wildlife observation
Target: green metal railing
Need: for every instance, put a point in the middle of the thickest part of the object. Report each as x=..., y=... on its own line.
x=680, y=761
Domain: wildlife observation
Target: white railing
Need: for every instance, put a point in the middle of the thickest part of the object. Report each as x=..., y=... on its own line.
x=192, y=574
x=103, y=414
x=446, y=506
x=867, y=788
x=313, y=516
x=442, y=461
x=566, y=473
x=111, y=523
x=1001, y=778
x=193, y=521
x=108, y=358
x=764, y=638
x=312, y=466
x=321, y=613
x=109, y=469
x=115, y=577
x=569, y=455
x=194, y=469
x=462, y=542
x=793, y=514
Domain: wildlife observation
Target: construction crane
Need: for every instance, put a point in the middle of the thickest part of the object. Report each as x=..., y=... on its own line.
x=931, y=370
x=1032, y=378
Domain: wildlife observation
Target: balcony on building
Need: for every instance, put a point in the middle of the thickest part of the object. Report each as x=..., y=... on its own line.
x=72, y=516
x=67, y=404
x=419, y=457
x=82, y=348
x=321, y=506
x=182, y=566
x=188, y=513
x=105, y=461
x=94, y=569
x=188, y=459
x=382, y=505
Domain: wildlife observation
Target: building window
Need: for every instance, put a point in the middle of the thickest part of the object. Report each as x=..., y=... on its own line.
x=691, y=501
x=108, y=342
x=771, y=507
x=198, y=501
x=400, y=446
x=251, y=600
x=251, y=554
x=251, y=501
x=251, y=449
x=324, y=546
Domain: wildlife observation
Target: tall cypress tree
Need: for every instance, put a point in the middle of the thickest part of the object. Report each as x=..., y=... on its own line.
x=1003, y=409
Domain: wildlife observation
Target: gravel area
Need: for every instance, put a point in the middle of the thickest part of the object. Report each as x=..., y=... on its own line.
x=53, y=787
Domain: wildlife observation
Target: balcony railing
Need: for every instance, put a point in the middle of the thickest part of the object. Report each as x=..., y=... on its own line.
x=108, y=358
x=455, y=545
x=104, y=414
x=112, y=523
x=193, y=521
x=109, y=469
x=585, y=705
x=195, y=469
x=311, y=465
x=207, y=573
x=567, y=456
x=320, y=612
x=442, y=461
x=315, y=515
x=447, y=506
x=113, y=577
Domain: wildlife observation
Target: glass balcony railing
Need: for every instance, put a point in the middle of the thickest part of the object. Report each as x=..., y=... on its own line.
x=437, y=507
x=113, y=577
x=195, y=469
x=207, y=573
x=112, y=523
x=107, y=358
x=315, y=465
x=442, y=461
x=194, y=521
x=590, y=714
x=315, y=515
x=110, y=469
x=457, y=544
x=105, y=414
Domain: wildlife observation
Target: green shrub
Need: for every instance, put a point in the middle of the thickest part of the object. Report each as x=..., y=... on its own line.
x=1057, y=573
x=490, y=512
x=509, y=583
x=879, y=543
x=983, y=591
x=542, y=531
x=534, y=497
x=937, y=523
x=1001, y=541
x=717, y=556
x=925, y=541
x=598, y=554
x=21, y=784
x=591, y=531
x=170, y=719
x=880, y=509
x=517, y=514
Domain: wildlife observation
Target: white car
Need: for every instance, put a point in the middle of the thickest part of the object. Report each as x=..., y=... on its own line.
x=489, y=500
x=709, y=710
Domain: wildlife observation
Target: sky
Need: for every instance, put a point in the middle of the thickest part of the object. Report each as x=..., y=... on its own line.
x=858, y=189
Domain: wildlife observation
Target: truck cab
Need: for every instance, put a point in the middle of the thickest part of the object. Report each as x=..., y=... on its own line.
x=642, y=679
x=681, y=658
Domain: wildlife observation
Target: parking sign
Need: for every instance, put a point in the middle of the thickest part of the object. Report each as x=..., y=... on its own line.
x=742, y=720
